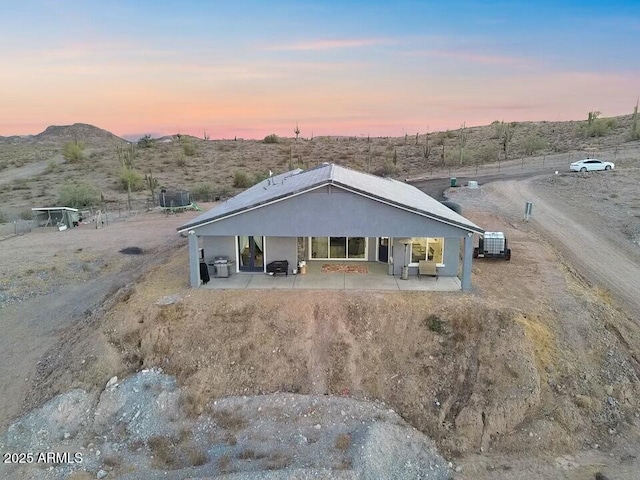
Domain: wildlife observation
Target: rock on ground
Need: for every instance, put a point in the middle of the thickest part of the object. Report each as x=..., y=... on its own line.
x=142, y=428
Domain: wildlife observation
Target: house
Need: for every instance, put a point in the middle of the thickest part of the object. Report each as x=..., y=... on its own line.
x=332, y=213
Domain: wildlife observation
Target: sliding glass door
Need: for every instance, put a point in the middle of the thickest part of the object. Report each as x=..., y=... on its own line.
x=338, y=248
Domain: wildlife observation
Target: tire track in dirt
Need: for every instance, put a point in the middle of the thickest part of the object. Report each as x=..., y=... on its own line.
x=353, y=354
x=333, y=353
x=587, y=245
x=318, y=333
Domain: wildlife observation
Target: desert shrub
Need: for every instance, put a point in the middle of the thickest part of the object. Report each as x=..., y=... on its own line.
x=78, y=195
x=222, y=191
x=3, y=217
x=224, y=463
x=273, y=138
x=343, y=442
x=189, y=148
x=20, y=184
x=146, y=142
x=434, y=324
x=278, y=461
x=163, y=449
x=533, y=143
x=229, y=420
x=203, y=191
x=241, y=180
x=452, y=157
x=26, y=214
x=52, y=166
x=226, y=147
x=596, y=127
x=131, y=178
x=498, y=129
x=73, y=152
x=260, y=177
x=486, y=154
x=181, y=160
x=387, y=170
x=206, y=192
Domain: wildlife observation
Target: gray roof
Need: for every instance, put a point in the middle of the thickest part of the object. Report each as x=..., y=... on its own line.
x=297, y=181
x=51, y=209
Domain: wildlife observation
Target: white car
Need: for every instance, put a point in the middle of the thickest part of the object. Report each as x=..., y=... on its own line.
x=590, y=164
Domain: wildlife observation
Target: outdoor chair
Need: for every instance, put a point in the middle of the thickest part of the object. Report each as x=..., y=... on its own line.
x=426, y=267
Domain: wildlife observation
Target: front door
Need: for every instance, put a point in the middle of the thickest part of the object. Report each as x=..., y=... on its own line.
x=383, y=249
x=251, y=254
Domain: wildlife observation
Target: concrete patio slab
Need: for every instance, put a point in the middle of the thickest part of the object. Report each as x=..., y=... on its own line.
x=370, y=282
x=237, y=282
x=330, y=281
x=333, y=281
x=428, y=284
x=262, y=281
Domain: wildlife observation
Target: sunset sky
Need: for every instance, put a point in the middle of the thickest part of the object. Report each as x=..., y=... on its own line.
x=251, y=68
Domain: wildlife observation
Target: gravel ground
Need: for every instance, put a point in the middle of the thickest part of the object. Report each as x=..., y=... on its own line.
x=141, y=428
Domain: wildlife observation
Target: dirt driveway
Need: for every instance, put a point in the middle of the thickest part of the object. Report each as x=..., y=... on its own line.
x=583, y=239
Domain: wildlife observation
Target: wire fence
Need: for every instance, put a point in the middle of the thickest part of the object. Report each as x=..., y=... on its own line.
x=16, y=227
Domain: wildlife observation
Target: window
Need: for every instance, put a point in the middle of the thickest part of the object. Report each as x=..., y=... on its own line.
x=337, y=247
x=357, y=247
x=319, y=247
x=333, y=248
x=426, y=248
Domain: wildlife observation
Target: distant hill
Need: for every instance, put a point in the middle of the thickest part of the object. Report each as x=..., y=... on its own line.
x=210, y=168
x=81, y=131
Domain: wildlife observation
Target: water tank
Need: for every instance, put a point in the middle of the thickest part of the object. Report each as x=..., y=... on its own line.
x=493, y=243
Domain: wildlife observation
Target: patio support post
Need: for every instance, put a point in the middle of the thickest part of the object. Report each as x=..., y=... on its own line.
x=194, y=261
x=466, y=262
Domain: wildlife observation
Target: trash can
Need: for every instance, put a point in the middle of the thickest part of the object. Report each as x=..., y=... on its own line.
x=454, y=181
x=405, y=273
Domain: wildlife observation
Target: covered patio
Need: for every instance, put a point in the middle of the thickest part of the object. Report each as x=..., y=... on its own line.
x=317, y=278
